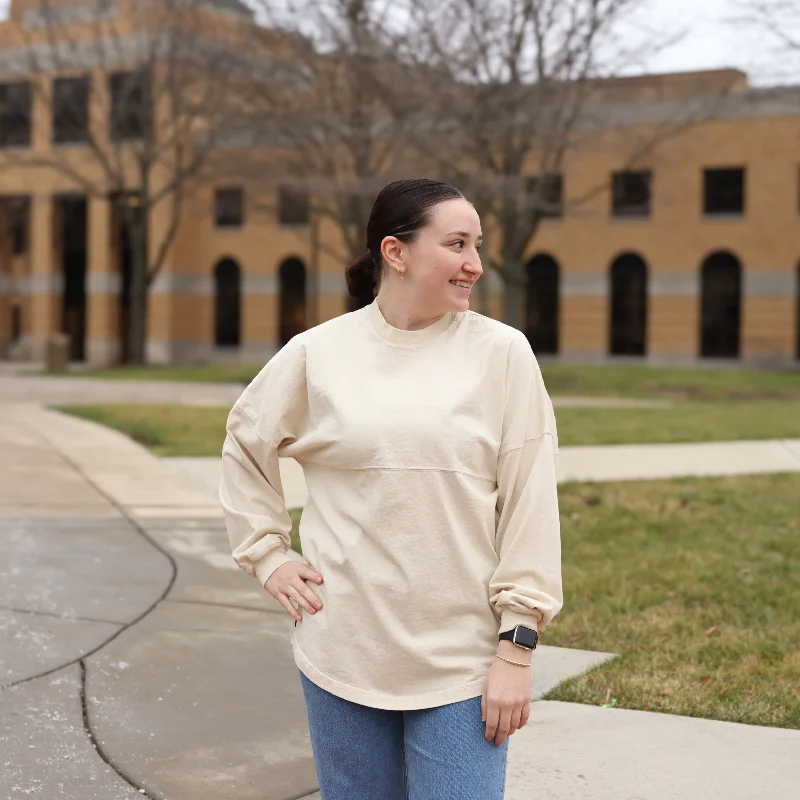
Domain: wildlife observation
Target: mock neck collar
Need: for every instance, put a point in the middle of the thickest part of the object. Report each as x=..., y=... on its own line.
x=404, y=338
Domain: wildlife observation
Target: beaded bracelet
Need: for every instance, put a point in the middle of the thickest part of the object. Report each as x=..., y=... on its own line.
x=521, y=663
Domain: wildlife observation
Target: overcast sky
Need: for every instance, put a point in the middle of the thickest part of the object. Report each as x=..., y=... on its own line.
x=712, y=41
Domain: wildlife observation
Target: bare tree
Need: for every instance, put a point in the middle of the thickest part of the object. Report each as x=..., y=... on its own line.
x=512, y=86
x=328, y=134
x=146, y=96
x=781, y=18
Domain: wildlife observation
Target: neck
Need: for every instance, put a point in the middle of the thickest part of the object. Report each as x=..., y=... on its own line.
x=401, y=312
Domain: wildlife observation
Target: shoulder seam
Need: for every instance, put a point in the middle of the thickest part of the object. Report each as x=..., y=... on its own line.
x=528, y=439
x=246, y=413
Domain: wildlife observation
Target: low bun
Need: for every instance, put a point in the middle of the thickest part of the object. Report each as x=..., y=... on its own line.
x=362, y=277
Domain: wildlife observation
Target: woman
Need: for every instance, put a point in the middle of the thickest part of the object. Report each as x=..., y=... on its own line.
x=429, y=447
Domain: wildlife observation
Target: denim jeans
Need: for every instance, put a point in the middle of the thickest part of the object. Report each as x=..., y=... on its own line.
x=364, y=753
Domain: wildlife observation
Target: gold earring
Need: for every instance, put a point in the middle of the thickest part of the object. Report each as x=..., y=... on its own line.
x=402, y=274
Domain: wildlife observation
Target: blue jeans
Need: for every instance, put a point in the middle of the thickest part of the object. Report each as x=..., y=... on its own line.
x=364, y=753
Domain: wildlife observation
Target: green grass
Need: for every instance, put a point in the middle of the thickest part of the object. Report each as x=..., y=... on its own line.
x=696, y=584
x=697, y=385
x=707, y=385
x=193, y=431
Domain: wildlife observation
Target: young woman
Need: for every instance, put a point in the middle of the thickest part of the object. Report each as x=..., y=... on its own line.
x=431, y=535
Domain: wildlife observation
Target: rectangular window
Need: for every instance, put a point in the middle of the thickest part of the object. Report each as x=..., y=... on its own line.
x=130, y=105
x=19, y=208
x=70, y=110
x=229, y=207
x=630, y=194
x=723, y=191
x=16, y=323
x=549, y=199
x=293, y=206
x=15, y=114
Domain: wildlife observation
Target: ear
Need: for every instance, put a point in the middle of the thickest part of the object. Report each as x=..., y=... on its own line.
x=392, y=252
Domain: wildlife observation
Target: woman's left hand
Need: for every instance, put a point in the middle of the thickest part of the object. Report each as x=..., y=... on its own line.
x=506, y=699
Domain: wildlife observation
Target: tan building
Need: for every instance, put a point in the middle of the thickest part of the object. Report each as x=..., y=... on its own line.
x=691, y=256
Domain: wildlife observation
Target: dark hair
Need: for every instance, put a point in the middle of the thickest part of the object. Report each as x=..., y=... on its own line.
x=401, y=209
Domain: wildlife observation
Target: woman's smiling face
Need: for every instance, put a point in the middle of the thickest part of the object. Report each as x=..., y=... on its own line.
x=444, y=255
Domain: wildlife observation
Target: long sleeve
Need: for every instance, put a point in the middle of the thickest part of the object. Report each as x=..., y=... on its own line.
x=270, y=413
x=525, y=588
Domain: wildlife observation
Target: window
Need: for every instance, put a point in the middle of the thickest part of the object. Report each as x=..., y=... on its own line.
x=549, y=199
x=20, y=224
x=130, y=105
x=724, y=191
x=15, y=114
x=70, y=110
x=293, y=206
x=630, y=194
x=229, y=207
x=16, y=323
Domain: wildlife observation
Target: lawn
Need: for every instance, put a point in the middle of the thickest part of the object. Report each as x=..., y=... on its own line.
x=696, y=584
x=193, y=431
x=712, y=385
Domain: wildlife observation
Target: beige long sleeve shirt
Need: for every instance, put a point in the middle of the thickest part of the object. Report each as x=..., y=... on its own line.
x=432, y=513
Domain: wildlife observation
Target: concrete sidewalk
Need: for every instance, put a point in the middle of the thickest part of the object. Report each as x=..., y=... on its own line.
x=611, y=463
x=135, y=657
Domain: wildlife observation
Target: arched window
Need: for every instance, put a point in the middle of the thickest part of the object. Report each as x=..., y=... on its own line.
x=292, y=299
x=227, y=303
x=721, y=306
x=542, y=304
x=628, y=329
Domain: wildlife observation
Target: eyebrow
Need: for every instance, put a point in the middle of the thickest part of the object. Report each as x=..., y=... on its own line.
x=463, y=233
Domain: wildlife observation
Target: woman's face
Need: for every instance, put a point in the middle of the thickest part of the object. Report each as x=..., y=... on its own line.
x=444, y=254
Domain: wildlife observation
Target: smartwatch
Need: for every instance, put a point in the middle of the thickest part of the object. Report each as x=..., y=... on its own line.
x=522, y=637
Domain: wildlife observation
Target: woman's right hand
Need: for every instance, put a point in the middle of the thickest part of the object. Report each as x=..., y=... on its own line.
x=288, y=581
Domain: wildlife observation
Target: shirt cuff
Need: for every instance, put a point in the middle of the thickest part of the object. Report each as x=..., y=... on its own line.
x=264, y=567
x=509, y=619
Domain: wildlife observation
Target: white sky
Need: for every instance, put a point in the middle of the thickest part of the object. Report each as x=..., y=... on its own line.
x=712, y=41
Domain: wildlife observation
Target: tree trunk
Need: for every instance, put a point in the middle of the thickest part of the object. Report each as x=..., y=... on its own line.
x=138, y=312
x=515, y=296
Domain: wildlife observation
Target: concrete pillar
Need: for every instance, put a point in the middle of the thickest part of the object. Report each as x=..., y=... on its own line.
x=103, y=287
x=45, y=281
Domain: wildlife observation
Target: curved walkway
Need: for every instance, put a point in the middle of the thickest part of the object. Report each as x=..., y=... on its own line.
x=136, y=660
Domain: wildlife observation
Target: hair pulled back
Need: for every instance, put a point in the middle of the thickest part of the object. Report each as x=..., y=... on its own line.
x=401, y=209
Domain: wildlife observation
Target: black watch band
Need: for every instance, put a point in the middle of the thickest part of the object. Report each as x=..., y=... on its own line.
x=521, y=636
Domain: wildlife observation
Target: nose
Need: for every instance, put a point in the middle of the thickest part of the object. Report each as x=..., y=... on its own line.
x=474, y=266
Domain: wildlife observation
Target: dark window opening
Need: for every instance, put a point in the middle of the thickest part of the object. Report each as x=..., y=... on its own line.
x=292, y=299
x=721, y=306
x=228, y=303
x=70, y=110
x=15, y=114
x=630, y=194
x=293, y=206
x=723, y=191
x=19, y=223
x=546, y=194
x=130, y=105
x=628, y=335
x=72, y=231
x=229, y=207
x=16, y=323
x=543, y=292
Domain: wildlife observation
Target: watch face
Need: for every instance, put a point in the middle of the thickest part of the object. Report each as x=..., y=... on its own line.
x=525, y=636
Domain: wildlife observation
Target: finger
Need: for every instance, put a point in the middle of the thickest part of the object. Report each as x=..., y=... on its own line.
x=503, y=725
x=525, y=716
x=287, y=604
x=311, y=574
x=483, y=704
x=295, y=594
x=492, y=717
x=516, y=714
x=309, y=595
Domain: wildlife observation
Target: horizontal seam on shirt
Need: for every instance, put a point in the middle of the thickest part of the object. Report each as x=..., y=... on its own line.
x=528, y=439
x=409, y=469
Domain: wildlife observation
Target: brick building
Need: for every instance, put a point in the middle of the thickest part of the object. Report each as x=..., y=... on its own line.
x=691, y=256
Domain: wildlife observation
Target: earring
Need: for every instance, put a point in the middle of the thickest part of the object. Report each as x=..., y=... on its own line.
x=402, y=274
